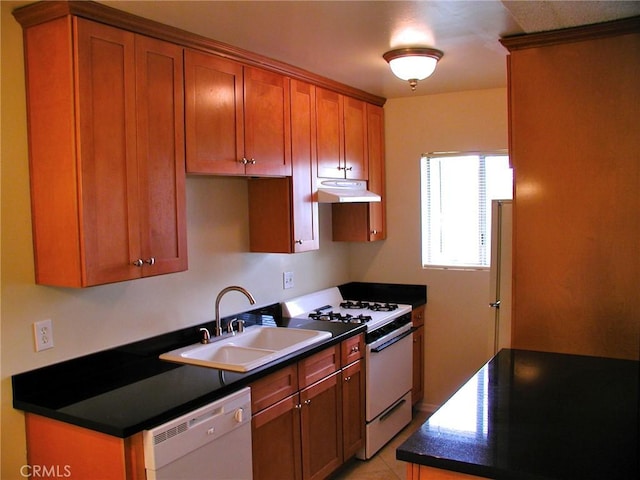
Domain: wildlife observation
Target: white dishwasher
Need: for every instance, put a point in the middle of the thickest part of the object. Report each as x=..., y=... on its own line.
x=212, y=442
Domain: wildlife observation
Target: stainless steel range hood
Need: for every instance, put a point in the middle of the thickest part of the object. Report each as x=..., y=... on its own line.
x=345, y=191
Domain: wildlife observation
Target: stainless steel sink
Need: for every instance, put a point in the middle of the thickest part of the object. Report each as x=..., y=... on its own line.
x=256, y=346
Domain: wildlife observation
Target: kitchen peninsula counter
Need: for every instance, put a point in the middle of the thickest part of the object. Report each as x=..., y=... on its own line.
x=534, y=415
x=127, y=389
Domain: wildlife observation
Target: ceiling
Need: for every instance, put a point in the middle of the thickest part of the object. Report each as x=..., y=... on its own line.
x=345, y=40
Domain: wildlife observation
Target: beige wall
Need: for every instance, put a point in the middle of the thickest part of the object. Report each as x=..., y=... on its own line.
x=97, y=318
x=457, y=316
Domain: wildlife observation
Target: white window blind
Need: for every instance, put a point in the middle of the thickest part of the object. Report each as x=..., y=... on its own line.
x=457, y=190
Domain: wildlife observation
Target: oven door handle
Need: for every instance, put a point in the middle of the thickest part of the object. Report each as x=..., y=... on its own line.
x=380, y=348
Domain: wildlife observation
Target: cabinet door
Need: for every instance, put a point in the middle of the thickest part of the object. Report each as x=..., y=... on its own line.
x=355, y=139
x=376, y=156
x=330, y=133
x=214, y=114
x=321, y=427
x=303, y=148
x=267, y=117
x=107, y=147
x=353, y=409
x=275, y=439
x=160, y=154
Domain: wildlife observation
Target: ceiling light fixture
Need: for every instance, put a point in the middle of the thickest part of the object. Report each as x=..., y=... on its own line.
x=413, y=63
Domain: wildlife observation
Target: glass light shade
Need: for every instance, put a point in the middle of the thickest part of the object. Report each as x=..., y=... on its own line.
x=413, y=67
x=413, y=63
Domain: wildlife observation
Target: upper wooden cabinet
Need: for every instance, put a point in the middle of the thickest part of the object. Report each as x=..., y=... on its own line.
x=341, y=124
x=283, y=213
x=366, y=222
x=237, y=118
x=106, y=150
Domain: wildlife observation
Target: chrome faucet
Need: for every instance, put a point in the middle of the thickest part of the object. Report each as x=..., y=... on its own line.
x=252, y=301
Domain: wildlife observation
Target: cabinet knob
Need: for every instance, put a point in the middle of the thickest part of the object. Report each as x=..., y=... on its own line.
x=297, y=406
x=245, y=161
x=374, y=232
x=150, y=261
x=138, y=263
x=355, y=349
x=347, y=379
x=348, y=169
x=299, y=242
x=307, y=402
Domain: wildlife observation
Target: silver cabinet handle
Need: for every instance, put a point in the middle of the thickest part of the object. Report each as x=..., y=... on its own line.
x=307, y=402
x=347, y=379
x=150, y=260
x=245, y=161
x=495, y=304
x=299, y=242
x=138, y=263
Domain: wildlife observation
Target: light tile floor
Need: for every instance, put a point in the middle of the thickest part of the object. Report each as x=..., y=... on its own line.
x=383, y=465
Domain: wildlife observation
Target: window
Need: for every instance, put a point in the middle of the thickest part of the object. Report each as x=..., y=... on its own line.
x=457, y=190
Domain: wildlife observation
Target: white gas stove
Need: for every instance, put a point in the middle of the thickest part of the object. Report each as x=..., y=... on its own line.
x=328, y=305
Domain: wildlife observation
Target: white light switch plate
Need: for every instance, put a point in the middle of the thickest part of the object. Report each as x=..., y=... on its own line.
x=43, y=334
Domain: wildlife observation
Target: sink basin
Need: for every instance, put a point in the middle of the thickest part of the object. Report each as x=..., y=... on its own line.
x=256, y=346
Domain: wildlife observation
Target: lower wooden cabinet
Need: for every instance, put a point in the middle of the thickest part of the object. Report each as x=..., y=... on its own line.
x=417, y=390
x=422, y=472
x=70, y=451
x=309, y=434
x=275, y=439
x=321, y=427
x=353, y=409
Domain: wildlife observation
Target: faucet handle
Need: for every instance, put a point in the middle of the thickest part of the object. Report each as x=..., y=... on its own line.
x=240, y=326
x=206, y=337
x=230, y=326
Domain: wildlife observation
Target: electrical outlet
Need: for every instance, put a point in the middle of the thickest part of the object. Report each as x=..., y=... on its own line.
x=287, y=280
x=43, y=334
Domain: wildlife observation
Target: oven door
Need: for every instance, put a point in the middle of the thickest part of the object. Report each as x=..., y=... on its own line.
x=389, y=368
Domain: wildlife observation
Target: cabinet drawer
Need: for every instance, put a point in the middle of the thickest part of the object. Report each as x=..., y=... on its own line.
x=273, y=388
x=352, y=349
x=318, y=366
x=417, y=316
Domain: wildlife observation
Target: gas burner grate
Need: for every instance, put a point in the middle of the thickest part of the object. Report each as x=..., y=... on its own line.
x=339, y=317
x=383, y=307
x=355, y=305
x=373, y=306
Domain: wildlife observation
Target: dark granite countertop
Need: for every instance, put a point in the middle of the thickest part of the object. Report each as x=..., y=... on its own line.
x=534, y=415
x=128, y=389
x=414, y=295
